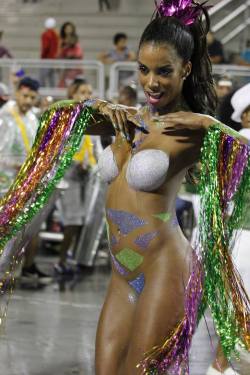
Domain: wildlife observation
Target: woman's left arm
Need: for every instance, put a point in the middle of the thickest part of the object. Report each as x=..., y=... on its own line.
x=224, y=179
x=195, y=121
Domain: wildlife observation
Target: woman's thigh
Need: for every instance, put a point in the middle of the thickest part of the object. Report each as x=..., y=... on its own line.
x=158, y=311
x=114, y=327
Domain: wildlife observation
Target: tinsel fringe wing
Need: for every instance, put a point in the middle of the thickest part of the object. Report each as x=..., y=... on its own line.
x=225, y=183
x=214, y=281
x=58, y=138
x=172, y=357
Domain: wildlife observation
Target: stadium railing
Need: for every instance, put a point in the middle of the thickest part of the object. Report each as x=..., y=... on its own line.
x=125, y=73
x=54, y=75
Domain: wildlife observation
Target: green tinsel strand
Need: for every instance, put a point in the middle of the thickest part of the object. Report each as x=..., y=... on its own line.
x=237, y=219
x=208, y=176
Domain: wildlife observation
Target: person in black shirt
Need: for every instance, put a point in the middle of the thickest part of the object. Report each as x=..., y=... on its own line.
x=215, y=49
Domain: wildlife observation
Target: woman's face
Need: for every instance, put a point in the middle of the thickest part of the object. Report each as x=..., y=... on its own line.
x=245, y=118
x=69, y=29
x=161, y=74
x=84, y=92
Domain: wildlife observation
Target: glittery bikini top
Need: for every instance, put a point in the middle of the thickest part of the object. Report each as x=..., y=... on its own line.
x=146, y=171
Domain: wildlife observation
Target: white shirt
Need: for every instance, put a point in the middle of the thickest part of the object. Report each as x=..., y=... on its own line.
x=12, y=148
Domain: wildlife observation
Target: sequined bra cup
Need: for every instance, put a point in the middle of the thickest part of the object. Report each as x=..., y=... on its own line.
x=146, y=171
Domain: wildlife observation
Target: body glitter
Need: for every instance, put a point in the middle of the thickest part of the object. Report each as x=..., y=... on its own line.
x=126, y=221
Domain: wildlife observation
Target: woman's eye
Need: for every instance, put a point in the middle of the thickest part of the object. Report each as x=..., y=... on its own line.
x=143, y=69
x=165, y=72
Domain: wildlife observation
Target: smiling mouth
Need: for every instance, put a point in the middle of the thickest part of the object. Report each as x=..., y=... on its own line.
x=154, y=98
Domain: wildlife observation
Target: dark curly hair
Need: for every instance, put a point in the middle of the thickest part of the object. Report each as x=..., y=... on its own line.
x=63, y=28
x=30, y=83
x=191, y=45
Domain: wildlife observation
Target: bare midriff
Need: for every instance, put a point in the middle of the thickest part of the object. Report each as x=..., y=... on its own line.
x=143, y=229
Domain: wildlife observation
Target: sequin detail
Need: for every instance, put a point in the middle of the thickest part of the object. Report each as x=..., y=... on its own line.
x=144, y=240
x=138, y=283
x=129, y=258
x=164, y=216
x=139, y=141
x=132, y=298
x=113, y=241
x=126, y=221
x=118, y=267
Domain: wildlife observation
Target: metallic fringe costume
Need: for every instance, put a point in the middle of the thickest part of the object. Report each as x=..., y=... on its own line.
x=214, y=281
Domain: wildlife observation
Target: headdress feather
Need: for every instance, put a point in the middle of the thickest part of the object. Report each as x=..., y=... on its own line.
x=187, y=11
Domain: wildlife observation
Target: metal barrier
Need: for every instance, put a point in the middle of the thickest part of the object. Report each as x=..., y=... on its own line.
x=116, y=80
x=240, y=74
x=55, y=75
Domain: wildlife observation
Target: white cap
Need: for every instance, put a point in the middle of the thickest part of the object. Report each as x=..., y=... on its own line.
x=50, y=23
x=240, y=101
x=225, y=82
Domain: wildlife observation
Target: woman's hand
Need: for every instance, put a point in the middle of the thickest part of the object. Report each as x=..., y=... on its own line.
x=121, y=118
x=185, y=120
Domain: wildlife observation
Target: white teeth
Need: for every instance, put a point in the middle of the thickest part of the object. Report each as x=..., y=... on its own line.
x=155, y=96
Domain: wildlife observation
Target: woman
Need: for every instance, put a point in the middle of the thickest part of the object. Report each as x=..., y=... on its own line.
x=69, y=49
x=68, y=29
x=159, y=287
x=144, y=191
x=77, y=176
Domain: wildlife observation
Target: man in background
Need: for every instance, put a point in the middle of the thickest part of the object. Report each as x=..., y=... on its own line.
x=18, y=127
x=120, y=51
x=4, y=94
x=72, y=201
x=49, y=50
x=215, y=49
x=4, y=52
x=102, y=3
x=128, y=96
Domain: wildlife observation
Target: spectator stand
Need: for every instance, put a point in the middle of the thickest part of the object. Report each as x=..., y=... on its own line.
x=92, y=70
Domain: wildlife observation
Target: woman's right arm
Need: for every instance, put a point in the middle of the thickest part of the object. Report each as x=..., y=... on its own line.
x=106, y=119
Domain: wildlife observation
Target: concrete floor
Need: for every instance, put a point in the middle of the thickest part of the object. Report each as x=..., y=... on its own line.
x=52, y=333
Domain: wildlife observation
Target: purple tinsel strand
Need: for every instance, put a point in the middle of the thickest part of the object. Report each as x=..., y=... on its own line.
x=237, y=168
x=226, y=151
x=50, y=130
x=179, y=359
x=71, y=124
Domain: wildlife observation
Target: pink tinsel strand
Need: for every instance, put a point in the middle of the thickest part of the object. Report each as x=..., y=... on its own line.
x=187, y=11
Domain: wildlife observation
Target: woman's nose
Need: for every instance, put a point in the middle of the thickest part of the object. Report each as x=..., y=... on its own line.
x=153, y=82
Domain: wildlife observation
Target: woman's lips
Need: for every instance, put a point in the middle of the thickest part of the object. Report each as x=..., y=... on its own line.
x=154, y=98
